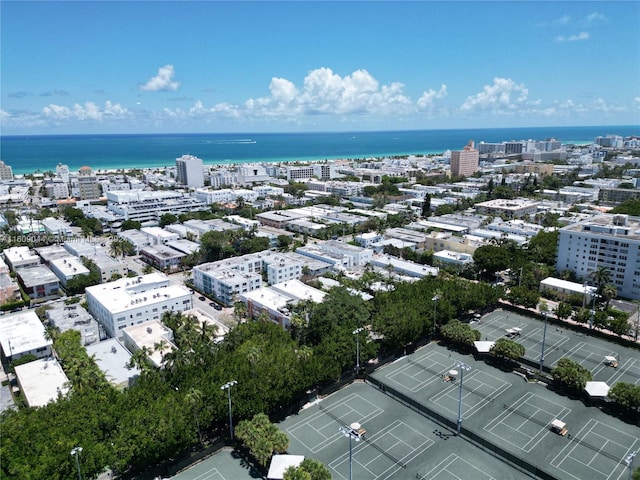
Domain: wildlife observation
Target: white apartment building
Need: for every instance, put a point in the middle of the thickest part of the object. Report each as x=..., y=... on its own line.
x=516, y=208
x=150, y=335
x=56, y=188
x=224, y=195
x=107, y=265
x=354, y=256
x=20, y=257
x=149, y=206
x=609, y=241
x=131, y=301
x=22, y=334
x=225, y=284
x=54, y=226
x=67, y=268
x=190, y=171
x=159, y=236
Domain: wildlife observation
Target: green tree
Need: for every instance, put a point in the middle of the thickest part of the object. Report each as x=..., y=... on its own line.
x=309, y=469
x=460, y=334
x=507, y=349
x=167, y=219
x=262, y=438
x=131, y=225
x=627, y=395
x=426, y=206
x=571, y=375
x=563, y=310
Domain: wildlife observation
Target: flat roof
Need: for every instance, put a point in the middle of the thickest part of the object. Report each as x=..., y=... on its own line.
x=36, y=275
x=70, y=266
x=41, y=381
x=149, y=334
x=566, y=285
x=299, y=290
x=112, y=358
x=125, y=293
x=22, y=332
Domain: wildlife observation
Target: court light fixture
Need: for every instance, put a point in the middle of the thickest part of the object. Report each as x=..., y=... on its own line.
x=356, y=332
x=227, y=386
x=75, y=452
x=463, y=368
x=352, y=434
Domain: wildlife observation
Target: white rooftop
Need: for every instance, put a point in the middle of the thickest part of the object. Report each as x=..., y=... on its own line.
x=279, y=463
x=70, y=266
x=151, y=334
x=22, y=332
x=112, y=358
x=41, y=381
x=125, y=293
x=299, y=291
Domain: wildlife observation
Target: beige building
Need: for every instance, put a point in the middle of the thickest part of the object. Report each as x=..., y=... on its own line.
x=465, y=162
x=88, y=184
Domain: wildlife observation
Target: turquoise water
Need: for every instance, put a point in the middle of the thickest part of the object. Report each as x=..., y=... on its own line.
x=27, y=154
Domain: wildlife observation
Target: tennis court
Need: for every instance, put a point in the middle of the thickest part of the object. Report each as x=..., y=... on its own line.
x=515, y=415
x=456, y=468
x=525, y=423
x=597, y=451
x=223, y=465
x=386, y=447
x=560, y=342
x=478, y=389
x=399, y=443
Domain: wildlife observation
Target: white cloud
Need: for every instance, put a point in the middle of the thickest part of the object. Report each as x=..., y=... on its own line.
x=162, y=81
x=503, y=96
x=573, y=38
x=87, y=111
x=596, y=17
x=425, y=102
x=563, y=20
x=325, y=92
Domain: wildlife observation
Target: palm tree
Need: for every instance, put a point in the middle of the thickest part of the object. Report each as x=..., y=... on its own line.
x=601, y=276
x=194, y=400
x=609, y=292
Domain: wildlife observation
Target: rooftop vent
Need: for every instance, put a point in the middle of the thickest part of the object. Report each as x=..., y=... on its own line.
x=149, y=330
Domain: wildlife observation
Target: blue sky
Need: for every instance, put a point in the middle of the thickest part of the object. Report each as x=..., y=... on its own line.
x=213, y=66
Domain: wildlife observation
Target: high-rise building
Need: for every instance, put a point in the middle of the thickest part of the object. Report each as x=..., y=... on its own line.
x=465, y=162
x=605, y=241
x=6, y=173
x=88, y=184
x=190, y=171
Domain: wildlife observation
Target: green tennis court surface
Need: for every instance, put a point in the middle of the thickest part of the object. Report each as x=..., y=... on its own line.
x=560, y=342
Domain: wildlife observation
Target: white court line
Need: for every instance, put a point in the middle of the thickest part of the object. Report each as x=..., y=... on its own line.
x=531, y=400
x=452, y=459
x=590, y=428
x=305, y=425
x=415, y=450
x=629, y=364
x=453, y=392
x=207, y=475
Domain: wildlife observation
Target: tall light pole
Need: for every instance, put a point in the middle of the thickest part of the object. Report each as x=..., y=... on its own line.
x=356, y=332
x=544, y=336
x=463, y=367
x=227, y=386
x=353, y=435
x=76, y=453
x=629, y=462
x=435, y=306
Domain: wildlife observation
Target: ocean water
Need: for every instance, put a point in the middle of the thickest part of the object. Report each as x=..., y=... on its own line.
x=28, y=154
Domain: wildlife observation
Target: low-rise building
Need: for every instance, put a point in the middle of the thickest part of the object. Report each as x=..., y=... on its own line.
x=280, y=218
x=516, y=208
x=21, y=334
x=366, y=240
x=159, y=236
x=153, y=336
x=74, y=317
x=563, y=289
x=39, y=282
x=162, y=257
x=20, y=257
x=108, y=266
x=41, y=381
x=113, y=359
x=57, y=227
x=404, y=267
x=225, y=284
x=453, y=258
x=131, y=301
x=52, y=252
x=9, y=289
x=68, y=268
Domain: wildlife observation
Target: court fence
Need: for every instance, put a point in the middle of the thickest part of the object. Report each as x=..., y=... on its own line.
x=485, y=444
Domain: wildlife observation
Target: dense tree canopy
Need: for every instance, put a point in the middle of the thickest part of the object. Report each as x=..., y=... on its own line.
x=571, y=375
